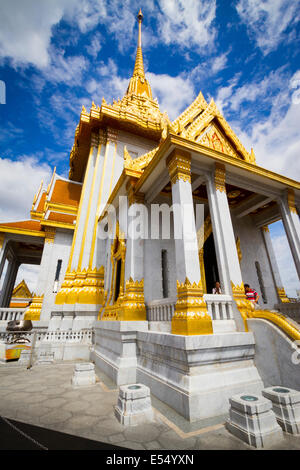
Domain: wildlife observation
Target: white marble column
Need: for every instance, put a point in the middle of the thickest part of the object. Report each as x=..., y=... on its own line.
x=190, y=317
x=185, y=234
x=137, y=223
x=225, y=245
x=290, y=219
x=274, y=266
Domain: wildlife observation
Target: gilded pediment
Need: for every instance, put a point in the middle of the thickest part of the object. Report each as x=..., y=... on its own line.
x=203, y=123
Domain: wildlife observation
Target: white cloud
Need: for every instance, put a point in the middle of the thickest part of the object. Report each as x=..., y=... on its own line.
x=19, y=182
x=95, y=45
x=26, y=29
x=267, y=20
x=173, y=93
x=187, y=22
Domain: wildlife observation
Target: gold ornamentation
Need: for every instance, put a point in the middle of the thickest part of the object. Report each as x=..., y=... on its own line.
x=2, y=236
x=94, y=139
x=244, y=305
x=282, y=295
x=291, y=201
x=82, y=287
x=138, y=163
x=278, y=319
x=195, y=124
x=102, y=137
x=220, y=175
x=61, y=296
x=129, y=306
x=50, y=234
x=238, y=249
x=191, y=317
x=112, y=135
x=35, y=308
x=179, y=166
x=265, y=228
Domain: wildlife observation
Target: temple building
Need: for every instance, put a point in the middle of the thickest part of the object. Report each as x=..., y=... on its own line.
x=149, y=298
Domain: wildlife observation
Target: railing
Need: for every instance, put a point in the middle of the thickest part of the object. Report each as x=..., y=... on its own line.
x=160, y=310
x=8, y=314
x=82, y=336
x=219, y=307
x=290, y=310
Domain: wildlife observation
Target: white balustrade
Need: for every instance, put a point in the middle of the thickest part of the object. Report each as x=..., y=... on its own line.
x=160, y=310
x=8, y=314
x=219, y=307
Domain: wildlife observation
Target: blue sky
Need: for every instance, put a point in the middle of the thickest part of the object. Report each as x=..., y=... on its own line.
x=56, y=55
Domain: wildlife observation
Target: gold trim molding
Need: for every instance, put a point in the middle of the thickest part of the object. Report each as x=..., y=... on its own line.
x=179, y=166
x=34, y=311
x=291, y=201
x=191, y=317
x=220, y=176
x=49, y=234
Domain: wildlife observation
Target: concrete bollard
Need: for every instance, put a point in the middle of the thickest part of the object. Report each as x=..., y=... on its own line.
x=84, y=375
x=134, y=405
x=252, y=420
x=286, y=406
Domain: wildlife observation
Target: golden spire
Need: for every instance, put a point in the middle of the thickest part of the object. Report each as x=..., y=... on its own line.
x=138, y=83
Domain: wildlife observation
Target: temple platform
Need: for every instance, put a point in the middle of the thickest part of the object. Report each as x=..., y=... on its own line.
x=196, y=375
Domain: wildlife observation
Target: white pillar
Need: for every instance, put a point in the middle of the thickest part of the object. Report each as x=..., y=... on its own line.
x=190, y=317
x=274, y=266
x=227, y=256
x=186, y=245
x=291, y=224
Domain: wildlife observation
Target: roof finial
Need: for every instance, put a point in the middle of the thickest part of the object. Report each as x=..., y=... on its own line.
x=138, y=84
x=139, y=65
x=140, y=18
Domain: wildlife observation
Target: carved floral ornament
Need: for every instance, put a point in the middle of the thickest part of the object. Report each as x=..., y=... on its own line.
x=220, y=175
x=179, y=166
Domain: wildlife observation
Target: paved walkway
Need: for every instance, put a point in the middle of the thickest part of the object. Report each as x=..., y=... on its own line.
x=43, y=396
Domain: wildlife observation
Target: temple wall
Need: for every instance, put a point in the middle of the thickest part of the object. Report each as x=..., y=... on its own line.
x=153, y=289
x=253, y=249
x=59, y=250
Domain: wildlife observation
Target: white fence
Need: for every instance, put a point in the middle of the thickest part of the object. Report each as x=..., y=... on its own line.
x=8, y=314
x=219, y=307
x=160, y=310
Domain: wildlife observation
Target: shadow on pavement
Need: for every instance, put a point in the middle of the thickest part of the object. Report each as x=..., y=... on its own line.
x=15, y=435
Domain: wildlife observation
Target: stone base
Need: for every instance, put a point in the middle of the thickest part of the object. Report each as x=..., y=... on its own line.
x=286, y=406
x=195, y=375
x=253, y=421
x=115, y=349
x=84, y=375
x=134, y=405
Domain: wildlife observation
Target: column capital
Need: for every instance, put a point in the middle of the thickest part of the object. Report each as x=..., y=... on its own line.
x=179, y=165
x=49, y=234
x=2, y=236
x=220, y=176
x=291, y=200
x=112, y=135
x=134, y=197
x=94, y=139
x=102, y=136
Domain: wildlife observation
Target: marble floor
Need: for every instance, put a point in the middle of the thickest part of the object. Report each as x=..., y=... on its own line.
x=43, y=396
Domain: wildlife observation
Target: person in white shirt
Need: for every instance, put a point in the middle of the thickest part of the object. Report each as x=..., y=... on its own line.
x=217, y=288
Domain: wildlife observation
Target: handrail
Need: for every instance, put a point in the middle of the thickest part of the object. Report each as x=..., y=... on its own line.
x=279, y=320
